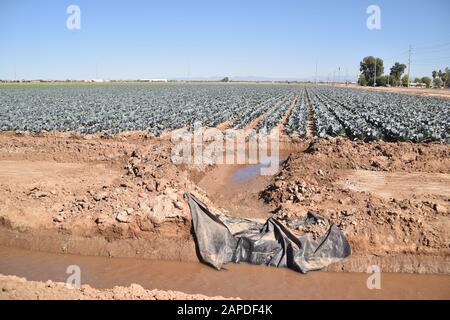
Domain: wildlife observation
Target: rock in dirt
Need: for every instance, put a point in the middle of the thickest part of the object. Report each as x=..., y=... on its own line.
x=101, y=219
x=161, y=208
x=58, y=218
x=439, y=208
x=102, y=195
x=122, y=217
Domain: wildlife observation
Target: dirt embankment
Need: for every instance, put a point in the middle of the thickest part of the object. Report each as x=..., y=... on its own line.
x=122, y=196
x=13, y=288
x=82, y=194
x=390, y=199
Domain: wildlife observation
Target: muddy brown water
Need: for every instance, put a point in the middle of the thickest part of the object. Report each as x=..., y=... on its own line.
x=249, y=172
x=243, y=280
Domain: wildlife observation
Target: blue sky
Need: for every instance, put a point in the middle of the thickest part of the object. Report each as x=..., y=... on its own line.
x=176, y=39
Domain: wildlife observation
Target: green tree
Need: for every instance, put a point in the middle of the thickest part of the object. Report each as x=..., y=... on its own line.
x=226, y=79
x=405, y=80
x=417, y=80
x=447, y=72
x=367, y=67
x=362, y=81
x=393, y=81
x=434, y=74
x=437, y=82
x=426, y=80
x=383, y=81
x=397, y=71
x=445, y=77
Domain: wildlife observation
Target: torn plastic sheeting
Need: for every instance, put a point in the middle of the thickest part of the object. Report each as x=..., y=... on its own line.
x=221, y=239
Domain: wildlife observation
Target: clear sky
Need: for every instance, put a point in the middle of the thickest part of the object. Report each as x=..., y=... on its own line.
x=176, y=39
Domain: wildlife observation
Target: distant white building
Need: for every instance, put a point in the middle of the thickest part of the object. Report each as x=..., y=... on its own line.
x=153, y=80
x=417, y=85
x=93, y=80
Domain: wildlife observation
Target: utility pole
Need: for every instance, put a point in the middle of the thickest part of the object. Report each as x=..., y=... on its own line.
x=346, y=76
x=316, y=74
x=339, y=75
x=375, y=74
x=409, y=64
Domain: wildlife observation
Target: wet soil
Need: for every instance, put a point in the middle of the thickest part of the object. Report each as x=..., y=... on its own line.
x=243, y=280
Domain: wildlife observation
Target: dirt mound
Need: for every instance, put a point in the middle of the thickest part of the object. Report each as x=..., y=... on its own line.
x=115, y=188
x=378, y=224
x=13, y=288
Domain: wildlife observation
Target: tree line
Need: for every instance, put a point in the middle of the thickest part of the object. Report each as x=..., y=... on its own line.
x=372, y=68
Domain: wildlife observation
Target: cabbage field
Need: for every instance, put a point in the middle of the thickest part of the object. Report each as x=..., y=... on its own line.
x=369, y=116
x=114, y=108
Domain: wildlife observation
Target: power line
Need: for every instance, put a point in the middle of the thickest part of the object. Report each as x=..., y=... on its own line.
x=375, y=75
x=409, y=64
x=432, y=51
x=432, y=59
x=315, y=81
x=432, y=46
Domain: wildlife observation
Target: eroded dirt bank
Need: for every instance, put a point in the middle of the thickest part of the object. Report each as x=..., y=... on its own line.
x=14, y=288
x=123, y=197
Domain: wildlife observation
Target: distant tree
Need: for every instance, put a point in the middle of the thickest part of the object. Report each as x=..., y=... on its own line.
x=426, y=80
x=397, y=70
x=367, y=67
x=447, y=72
x=434, y=74
x=437, y=82
x=405, y=79
x=393, y=81
x=382, y=81
x=362, y=81
x=445, y=77
x=225, y=79
x=417, y=80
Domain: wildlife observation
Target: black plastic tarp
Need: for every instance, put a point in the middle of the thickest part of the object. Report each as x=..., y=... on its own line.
x=221, y=239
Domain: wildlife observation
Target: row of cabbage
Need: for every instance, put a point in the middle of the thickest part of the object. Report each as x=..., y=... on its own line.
x=116, y=108
x=298, y=120
x=371, y=115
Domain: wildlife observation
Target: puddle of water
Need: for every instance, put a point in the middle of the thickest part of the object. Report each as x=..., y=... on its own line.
x=251, y=171
x=245, y=281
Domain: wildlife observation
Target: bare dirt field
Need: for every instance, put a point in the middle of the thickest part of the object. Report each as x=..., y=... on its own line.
x=123, y=197
x=437, y=93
